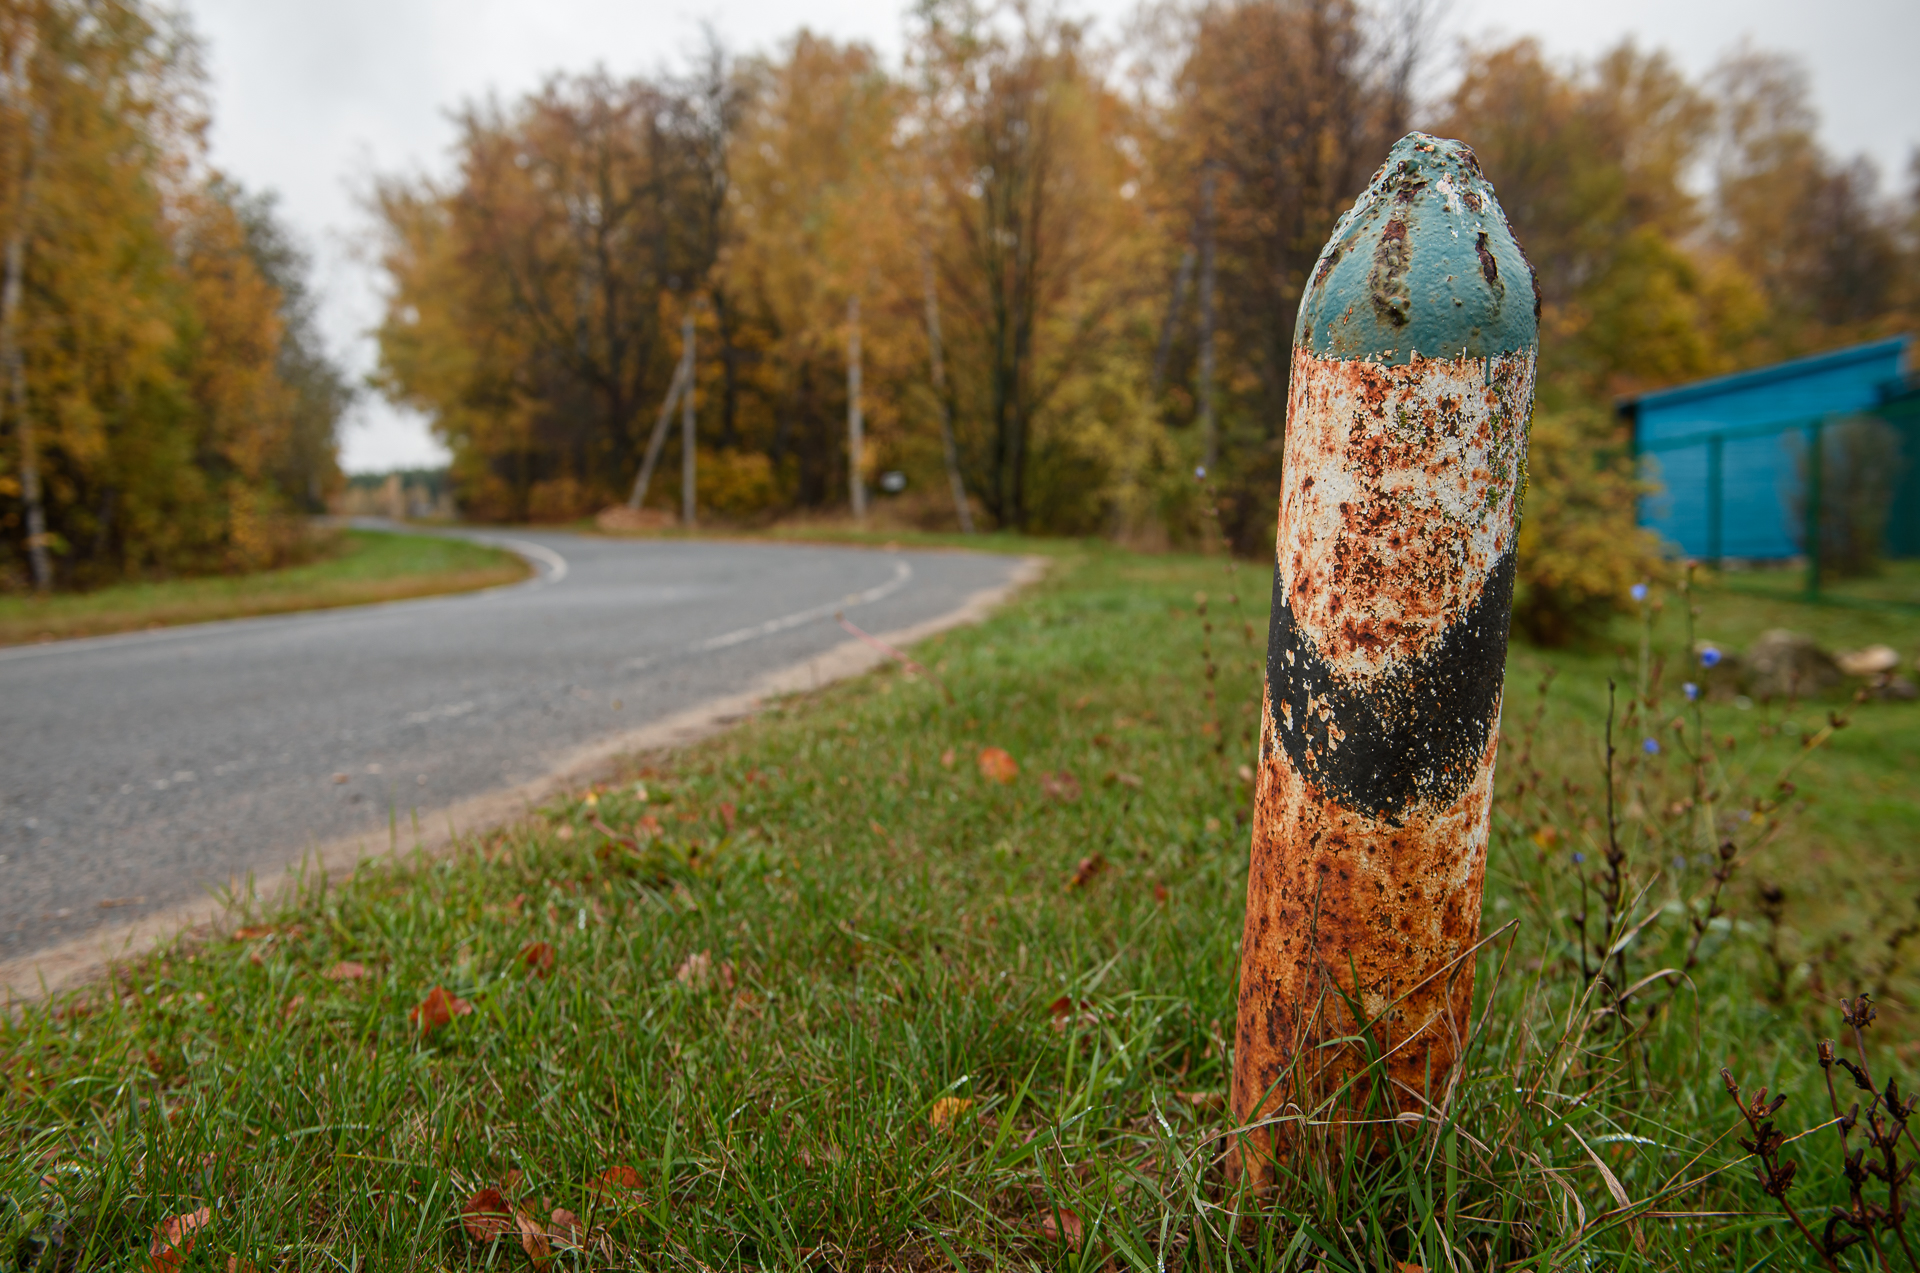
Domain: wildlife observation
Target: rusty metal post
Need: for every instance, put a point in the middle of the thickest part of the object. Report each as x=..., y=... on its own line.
x=1405, y=465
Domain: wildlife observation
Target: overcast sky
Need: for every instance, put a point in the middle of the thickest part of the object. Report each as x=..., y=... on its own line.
x=312, y=99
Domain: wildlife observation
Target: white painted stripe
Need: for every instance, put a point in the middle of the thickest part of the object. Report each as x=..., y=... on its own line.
x=902, y=572
x=556, y=564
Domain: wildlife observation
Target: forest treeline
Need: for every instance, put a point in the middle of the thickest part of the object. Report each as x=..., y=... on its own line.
x=168, y=405
x=1082, y=264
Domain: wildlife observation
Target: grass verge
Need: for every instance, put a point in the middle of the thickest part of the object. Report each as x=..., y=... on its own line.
x=827, y=993
x=360, y=567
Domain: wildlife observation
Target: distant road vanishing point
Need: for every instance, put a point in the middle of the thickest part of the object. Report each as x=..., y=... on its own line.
x=139, y=772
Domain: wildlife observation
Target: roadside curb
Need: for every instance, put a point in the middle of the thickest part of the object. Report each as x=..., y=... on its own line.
x=83, y=959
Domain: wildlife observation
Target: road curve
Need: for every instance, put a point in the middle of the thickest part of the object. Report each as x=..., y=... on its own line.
x=138, y=772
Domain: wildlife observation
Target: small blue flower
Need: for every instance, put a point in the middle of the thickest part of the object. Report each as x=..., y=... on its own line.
x=1693, y=691
x=1200, y=471
x=1651, y=746
x=1578, y=858
x=1639, y=592
x=1710, y=657
x=1679, y=863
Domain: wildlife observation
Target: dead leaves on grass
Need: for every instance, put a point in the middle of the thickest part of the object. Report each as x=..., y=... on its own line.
x=488, y=1217
x=1062, y=1224
x=173, y=1239
x=1068, y=1011
x=345, y=970
x=998, y=765
x=697, y=971
x=1090, y=866
x=537, y=957
x=1062, y=786
x=437, y=1009
x=947, y=1109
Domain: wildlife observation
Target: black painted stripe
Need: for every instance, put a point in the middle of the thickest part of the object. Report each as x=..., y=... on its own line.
x=1408, y=739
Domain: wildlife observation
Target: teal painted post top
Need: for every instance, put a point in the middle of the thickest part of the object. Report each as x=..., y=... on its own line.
x=1423, y=263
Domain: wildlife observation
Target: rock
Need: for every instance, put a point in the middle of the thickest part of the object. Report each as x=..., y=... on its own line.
x=1783, y=664
x=1716, y=669
x=620, y=518
x=1895, y=689
x=1875, y=660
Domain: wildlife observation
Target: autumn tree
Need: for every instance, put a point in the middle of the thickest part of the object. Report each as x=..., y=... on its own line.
x=1039, y=226
x=146, y=408
x=535, y=296
x=1281, y=110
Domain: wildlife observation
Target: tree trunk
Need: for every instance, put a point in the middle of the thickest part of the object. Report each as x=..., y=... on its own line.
x=1209, y=432
x=687, y=457
x=856, y=485
x=949, y=451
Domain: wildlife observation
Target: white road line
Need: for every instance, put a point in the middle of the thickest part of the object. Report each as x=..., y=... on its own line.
x=902, y=572
x=556, y=564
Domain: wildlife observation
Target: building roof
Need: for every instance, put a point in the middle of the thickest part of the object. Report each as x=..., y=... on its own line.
x=1792, y=369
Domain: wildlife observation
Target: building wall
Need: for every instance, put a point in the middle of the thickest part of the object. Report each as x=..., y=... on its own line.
x=1761, y=418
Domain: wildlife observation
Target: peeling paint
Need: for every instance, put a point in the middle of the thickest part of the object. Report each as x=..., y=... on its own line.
x=1404, y=476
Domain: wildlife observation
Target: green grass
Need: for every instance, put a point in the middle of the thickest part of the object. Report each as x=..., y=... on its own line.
x=768, y=1012
x=1893, y=583
x=357, y=567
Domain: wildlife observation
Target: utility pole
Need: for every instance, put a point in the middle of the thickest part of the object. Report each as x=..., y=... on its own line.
x=1209, y=431
x=856, y=485
x=1386, y=658
x=686, y=420
x=19, y=91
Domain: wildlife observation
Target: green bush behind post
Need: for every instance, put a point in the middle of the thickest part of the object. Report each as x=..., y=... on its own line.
x=1580, y=548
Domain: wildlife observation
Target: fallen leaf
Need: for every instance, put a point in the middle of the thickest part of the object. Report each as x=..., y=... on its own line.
x=237, y=1265
x=1090, y=866
x=620, y=1177
x=1062, y=1225
x=947, y=1108
x=173, y=1239
x=694, y=969
x=253, y=932
x=1066, y=1010
x=647, y=828
x=1160, y=894
x=1062, y=786
x=1401, y=1266
x=437, y=1009
x=1127, y=780
x=1101, y=740
x=538, y=958
x=345, y=970
x=998, y=765
x=564, y=833
x=726, y=813
x=565, y=1227
x=533, y=1240
x=947, y=758
x=485, y=1216
x=1204, y=1100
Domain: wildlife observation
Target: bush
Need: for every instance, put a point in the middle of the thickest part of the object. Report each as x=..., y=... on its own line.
x=1580, y=547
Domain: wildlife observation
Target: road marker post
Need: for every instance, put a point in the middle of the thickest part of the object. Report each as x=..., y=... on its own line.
x=1405, y=467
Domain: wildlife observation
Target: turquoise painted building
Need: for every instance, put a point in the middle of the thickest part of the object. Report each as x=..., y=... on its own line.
x=1729, y=454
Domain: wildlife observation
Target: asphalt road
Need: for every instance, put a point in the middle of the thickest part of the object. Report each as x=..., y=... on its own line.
x=138, y=772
